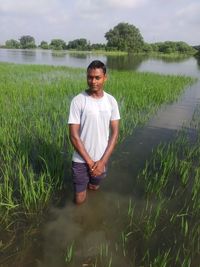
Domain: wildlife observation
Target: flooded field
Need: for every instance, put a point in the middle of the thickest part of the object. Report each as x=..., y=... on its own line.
x=146, y=212
x=112, y=222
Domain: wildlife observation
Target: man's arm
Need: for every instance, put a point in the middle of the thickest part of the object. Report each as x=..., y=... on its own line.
x=78, y=144
x=99, y=166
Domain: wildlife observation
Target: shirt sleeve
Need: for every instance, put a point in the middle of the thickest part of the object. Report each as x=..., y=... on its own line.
x=115, y=115
x=74, y=112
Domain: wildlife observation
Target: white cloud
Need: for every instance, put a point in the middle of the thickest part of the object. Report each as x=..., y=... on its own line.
x=189, y=14
x=29, y=7
x=50, y=10
x=125, y=3
x=45, y=19
x=103, y=6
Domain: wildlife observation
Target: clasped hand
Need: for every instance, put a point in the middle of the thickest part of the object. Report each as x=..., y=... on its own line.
x=97, y=168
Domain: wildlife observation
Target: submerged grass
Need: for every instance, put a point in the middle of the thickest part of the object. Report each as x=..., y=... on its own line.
x=171, y=177
x=34, y=141
x=165, y=231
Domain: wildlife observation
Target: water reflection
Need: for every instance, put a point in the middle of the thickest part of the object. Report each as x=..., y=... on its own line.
x=185, y=67
x=179, y=65
x=198, y=61
x=130, y=62
x=48, y=57
x=27, y=55
x=58, y=54
x=177, y=59
x=78, y=55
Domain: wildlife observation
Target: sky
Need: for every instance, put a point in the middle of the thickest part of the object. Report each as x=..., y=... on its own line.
x=157, y=20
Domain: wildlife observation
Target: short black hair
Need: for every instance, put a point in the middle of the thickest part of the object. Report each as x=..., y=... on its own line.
x=97, y=64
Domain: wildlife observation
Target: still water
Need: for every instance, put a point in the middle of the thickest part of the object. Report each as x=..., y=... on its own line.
x=92, y=224
x=186, y=66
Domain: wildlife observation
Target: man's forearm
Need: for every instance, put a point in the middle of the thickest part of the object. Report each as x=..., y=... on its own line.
x=99, y=166
x=79, y=147
x=112, y=141
x=110, y=147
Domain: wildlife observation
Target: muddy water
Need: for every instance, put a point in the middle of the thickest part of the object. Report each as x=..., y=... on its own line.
x=100, y=219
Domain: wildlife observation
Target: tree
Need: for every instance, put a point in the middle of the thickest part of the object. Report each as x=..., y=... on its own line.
x=183, y=47
x=147, y=48
x=12, y=44
x=57, y=44
x=98, y=46
x=27, y=41
x=168, y=47
x=197, y=47
x=79, y=44
x=124, y=37
x=197, y=52
x=44, y=45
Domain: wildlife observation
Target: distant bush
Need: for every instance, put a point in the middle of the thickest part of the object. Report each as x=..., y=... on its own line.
x=12, y=44
x=44, y=45
x=173, y=47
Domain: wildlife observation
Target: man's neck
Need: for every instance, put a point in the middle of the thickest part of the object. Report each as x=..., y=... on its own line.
x=97, y=94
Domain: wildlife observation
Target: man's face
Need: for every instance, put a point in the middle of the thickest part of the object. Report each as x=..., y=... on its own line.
x=96, y=79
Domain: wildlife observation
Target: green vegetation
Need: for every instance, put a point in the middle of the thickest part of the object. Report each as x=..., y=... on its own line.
x=79, y=44
x=171, y=185
x=27, y=41
x=34, y=141
x=170, y=47
x=12, y=44
x=124, y=37
x=44, y=45
x=69, y=253
x=57, y=44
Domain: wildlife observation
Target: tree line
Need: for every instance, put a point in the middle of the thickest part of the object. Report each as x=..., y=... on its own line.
x=123, y=37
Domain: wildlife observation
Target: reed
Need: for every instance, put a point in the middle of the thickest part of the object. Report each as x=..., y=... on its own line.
x=69, y=253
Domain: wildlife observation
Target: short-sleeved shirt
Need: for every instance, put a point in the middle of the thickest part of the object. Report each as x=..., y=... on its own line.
x=94, y=116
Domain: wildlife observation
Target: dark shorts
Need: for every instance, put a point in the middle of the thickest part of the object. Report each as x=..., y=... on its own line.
x=81, y=177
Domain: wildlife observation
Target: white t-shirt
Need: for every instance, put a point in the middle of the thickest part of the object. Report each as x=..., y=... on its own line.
x=94, y=116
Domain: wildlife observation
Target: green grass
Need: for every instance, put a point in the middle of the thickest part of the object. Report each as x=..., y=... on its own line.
x=99, y=52
x=34, y=140
x=171, y=179
x=164, y=231
x=141, y=94
x=174, y=55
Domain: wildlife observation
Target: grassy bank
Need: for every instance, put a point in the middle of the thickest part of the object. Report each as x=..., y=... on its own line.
x=174, y=55
x=99, y=52
x=34, y=141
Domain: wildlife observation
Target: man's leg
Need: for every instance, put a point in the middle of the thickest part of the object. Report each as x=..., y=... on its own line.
x=80, y=180
x=80, y=197
x=94, y=182
x=93, y=187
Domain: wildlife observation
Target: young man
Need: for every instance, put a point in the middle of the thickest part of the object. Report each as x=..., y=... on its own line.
x=93, y=127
